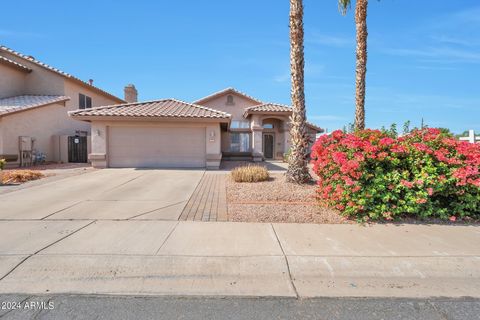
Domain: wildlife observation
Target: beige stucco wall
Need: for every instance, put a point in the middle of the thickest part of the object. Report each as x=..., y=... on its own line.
x=236, y=110
x=40, y=123
x=40, y=80
x=12, y=81
x=280, y=131
x=100, y=132
x=73, y=90
x=44, y=124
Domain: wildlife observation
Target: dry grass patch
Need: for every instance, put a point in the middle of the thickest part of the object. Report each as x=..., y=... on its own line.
x=250, y=173
x=276, y=200
x=20, y=176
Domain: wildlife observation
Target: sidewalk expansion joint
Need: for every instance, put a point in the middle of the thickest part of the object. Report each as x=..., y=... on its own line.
x=286, y=261
x=160, y=208
x=47, y=246
x=168, y=236
x=68, y=207
x=124, y=183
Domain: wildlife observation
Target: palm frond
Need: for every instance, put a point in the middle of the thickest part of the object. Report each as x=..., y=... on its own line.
x=344, y=5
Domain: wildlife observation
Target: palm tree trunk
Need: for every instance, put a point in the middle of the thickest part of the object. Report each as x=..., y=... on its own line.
x=297, y=161
x=361, y=67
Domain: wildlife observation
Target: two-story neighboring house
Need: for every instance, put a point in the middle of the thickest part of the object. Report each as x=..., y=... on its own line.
x=34, y=102
x=172, y=133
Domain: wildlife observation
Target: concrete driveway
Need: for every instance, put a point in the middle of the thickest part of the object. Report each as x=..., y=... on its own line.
x=96, y=234
x=109, y=194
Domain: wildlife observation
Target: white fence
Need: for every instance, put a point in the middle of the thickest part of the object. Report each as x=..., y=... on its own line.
x=472, y=138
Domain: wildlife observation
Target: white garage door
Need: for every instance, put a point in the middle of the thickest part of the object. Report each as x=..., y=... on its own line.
x=156, y=147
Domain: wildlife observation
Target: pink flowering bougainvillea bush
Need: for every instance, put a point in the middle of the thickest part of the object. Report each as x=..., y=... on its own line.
x=368, y=175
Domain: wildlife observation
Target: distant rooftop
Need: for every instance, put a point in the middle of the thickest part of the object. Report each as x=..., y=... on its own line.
x=25, y=102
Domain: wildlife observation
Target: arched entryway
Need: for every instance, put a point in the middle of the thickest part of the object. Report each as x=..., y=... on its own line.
x=274, y=138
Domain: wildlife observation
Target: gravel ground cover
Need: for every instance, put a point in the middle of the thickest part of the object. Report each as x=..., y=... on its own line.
x=276, y=200
x=53, y=166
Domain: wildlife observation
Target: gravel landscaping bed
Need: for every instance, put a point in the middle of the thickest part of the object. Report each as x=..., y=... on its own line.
x=276, y=201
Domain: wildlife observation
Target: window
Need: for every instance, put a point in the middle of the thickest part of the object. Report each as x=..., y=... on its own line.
x=84, y=102
x=240, y=124
x=239, y=142
x=230, y=100
x=268, y=126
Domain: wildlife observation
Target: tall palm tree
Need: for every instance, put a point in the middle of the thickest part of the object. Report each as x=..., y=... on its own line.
x=297, y=160
x=361, y=66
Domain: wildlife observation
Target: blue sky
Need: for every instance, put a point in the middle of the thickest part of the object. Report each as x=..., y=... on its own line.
x=424, y=56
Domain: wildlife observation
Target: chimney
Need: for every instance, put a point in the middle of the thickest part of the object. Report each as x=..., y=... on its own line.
x=130, y=93
x=90, y=82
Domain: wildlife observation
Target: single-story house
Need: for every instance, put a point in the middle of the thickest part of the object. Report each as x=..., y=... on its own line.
x=228, y=124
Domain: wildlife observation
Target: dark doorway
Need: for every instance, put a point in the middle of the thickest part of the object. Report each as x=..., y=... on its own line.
x=268, y=146
x=77, y=149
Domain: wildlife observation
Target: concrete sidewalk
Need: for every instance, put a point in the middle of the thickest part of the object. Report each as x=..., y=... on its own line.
x=238, y=259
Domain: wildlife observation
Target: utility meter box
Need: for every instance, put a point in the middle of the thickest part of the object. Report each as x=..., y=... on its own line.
x=25, y=143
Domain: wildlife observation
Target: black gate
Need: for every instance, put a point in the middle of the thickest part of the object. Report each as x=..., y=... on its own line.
x=77, y=149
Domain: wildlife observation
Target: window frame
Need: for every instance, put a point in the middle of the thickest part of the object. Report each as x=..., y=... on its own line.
x=239, y=122
x=239, y=143
x=84, y=101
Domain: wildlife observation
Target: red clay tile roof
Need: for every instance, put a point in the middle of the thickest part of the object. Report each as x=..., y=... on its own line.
x=26, y=102
x=15, y=64
x=275, y=107
x=269, y=107
x=58, y=71
x=315, y=127
x=224, y=91
x=166, y=108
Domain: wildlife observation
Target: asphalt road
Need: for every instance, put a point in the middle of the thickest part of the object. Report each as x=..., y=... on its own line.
x=122, y=307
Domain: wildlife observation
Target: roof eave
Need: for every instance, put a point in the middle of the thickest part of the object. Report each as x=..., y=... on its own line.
x=8, y=113
x=16, y=65
x=142, y=119
x=96, y=89
x=250, y=112
x=314, y=127
x=61, y=73
x=224, y=91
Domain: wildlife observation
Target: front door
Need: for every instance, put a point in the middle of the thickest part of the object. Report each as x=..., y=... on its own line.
x=268, y=146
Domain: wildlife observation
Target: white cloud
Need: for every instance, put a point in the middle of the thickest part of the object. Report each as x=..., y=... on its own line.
x=327, y=117
x=449, y=53
x=329, y=40
x=282, y=78
x=19, y=34
x=456, y=40
x=311, y=70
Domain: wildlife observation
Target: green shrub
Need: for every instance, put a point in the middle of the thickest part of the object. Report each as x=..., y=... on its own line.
x=370, y=175
x=250, y=173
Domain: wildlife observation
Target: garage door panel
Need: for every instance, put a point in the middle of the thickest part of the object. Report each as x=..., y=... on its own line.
x=152, y=147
